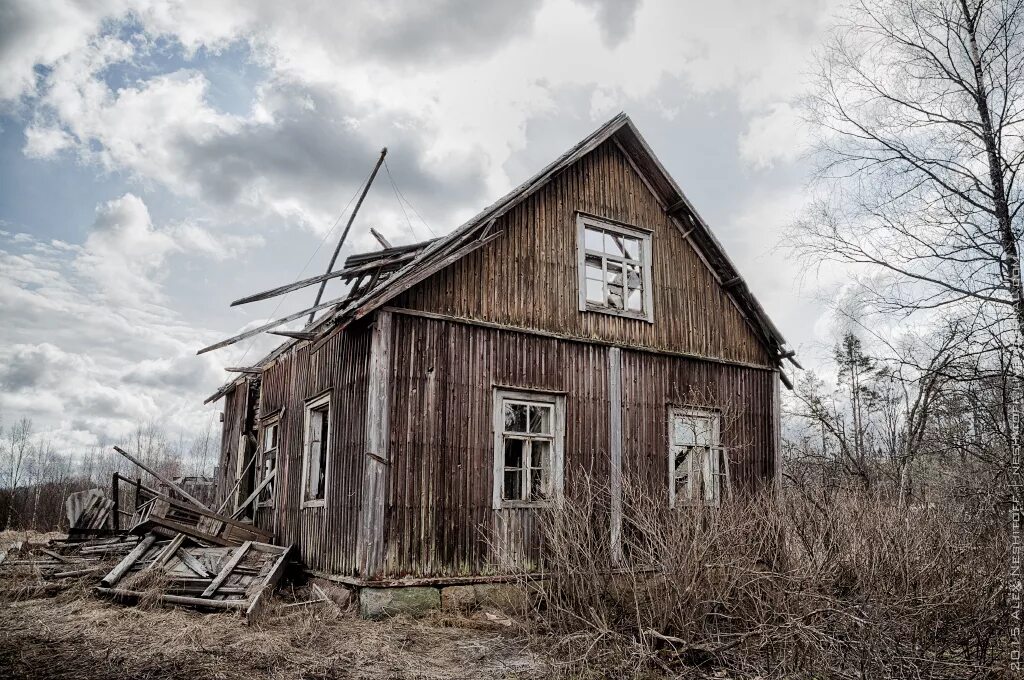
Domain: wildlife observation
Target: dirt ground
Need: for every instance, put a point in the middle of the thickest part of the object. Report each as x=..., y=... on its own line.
x=76, y=635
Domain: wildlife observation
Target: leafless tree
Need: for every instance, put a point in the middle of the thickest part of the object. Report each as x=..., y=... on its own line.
x=919, y=109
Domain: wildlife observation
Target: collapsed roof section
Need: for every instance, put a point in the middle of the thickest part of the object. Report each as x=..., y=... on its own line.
x=381, y=276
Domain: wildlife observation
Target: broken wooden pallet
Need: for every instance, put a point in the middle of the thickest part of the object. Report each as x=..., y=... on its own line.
x=221, y=577
x=168, y=517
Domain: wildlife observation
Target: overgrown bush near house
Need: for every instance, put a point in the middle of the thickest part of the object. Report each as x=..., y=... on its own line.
x=803, y=584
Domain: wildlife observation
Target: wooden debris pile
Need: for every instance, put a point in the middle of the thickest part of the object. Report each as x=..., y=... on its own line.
x=90, y=511
x=52, y=566
x=182, y=571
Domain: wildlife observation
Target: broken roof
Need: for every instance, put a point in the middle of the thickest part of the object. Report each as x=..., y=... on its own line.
x=408, y=265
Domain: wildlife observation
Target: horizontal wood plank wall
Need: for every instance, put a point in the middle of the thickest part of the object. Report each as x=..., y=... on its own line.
x=439, y=519
x=326, y=536
x=652, y=383
x=528, y=277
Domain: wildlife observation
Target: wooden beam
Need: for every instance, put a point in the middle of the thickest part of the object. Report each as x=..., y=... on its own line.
x=271, y=324
x=243, y=369
x=347, y=272
x=785, y=380
x=734, y=281
x=255, y=494
x=131, y=558
x=160, y=477
x=375, y=464
x=295, y=335
x=380, y=238
x=615, y=449
x=351, y=219
x=227, y=569
x=176, y=599
x=677, y=207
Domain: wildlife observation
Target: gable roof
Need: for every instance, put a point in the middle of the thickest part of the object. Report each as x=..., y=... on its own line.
x=432, y=256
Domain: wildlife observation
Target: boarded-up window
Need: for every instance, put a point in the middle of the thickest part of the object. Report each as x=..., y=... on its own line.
x=268, y=460
x=316, y=450
x=698, y=465
x=614, y=268
x=529, y=432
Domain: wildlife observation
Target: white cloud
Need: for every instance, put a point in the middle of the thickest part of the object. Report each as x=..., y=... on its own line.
x=776, y=136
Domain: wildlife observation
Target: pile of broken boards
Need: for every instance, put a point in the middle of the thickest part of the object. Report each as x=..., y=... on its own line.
x=32, y=569
x=190, y=555
x=183, y=571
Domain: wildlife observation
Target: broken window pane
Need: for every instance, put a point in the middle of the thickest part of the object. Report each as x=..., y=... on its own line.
x=633, y=277
x=613, y=244
x=515, y=417
x=540, y=419
x=614, y=272
x=636, y=300
x=513, y=453
x=615, y=297
x=632, y=247
x=512, y=489
x=538, y=488
x=594, y=268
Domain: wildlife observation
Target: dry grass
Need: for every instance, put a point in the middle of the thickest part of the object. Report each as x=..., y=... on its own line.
x=806, y=586
x=82, y=636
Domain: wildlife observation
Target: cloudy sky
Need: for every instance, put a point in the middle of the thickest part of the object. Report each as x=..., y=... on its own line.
x=159, y=159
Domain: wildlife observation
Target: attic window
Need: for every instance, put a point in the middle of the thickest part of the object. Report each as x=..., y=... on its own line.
x=614, y=268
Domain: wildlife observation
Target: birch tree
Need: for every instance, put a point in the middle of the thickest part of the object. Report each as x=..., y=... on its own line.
x=919, y=112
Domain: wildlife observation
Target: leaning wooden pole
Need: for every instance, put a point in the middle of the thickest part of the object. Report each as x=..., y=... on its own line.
x=161, y=478
x=344, y=234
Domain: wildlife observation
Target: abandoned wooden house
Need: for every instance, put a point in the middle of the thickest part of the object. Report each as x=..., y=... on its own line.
x=587, y=322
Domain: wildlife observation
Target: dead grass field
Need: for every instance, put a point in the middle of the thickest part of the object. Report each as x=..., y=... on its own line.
x=76, y=635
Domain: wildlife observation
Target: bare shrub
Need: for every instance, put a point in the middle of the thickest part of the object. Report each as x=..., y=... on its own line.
x=809, y=582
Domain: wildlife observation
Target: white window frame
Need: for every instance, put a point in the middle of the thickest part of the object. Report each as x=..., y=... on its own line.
x=312, y=405
x=557, y=438
x=710, y=467
x=275, y=422
x=582, y=222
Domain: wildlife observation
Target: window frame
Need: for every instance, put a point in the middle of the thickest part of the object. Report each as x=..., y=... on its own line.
x=718, y=454
x=311, y=405
x=266, y=423
x=557, y=439
x=584, y=220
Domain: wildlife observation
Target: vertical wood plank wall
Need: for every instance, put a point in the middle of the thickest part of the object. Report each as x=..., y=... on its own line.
x=439, y=519
x=528, y=277
x=326, y=536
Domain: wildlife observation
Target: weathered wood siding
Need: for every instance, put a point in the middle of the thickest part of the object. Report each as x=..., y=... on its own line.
x=326, y=536
x=528, y=277
x=439, y=519
x=234, y=415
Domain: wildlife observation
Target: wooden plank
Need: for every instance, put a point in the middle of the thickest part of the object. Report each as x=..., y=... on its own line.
x=371, y=528
x=192, y=563
x=615, y=449
x=228, y=568
x=267, y=326
x=176, y=599
x=251, y=370
x=160, y=477
x=255, y=494
x=273, y=576
x=130, y=559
